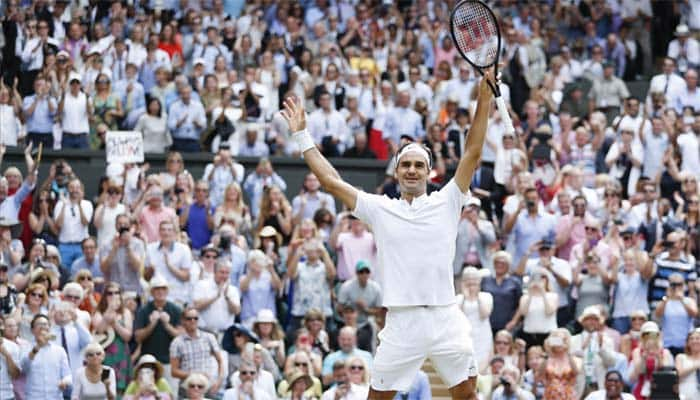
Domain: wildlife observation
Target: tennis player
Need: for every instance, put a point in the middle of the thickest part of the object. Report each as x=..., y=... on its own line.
x=415, y=238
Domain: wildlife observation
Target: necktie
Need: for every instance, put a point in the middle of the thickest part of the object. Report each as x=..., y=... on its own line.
x=64, y=343
x=666, y=86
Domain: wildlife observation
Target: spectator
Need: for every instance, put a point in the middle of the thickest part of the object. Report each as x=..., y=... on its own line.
x=46, y=365
x=216, y=299
x=361, y=292
x=592, y=283
x=557, y=271
x=685, y=49
x=665, y=263
x=73, y=293
x=149, y=380
x=690, y=140
x=171, y=260
x=10, y=204
x=108, y=109
x=535, y=359
x=560, y=368
x=196, y=350
x=310, y=200
x=258, y=286
x=613, y=389
x=106, y=213
x=257, y=182
x=88, y=260
x=347, y=341
x=403, y=121
x=312, y=279
x=510, y=386
x=73, y=215
x=528, y=224
x=154, y=214
x=196, y=385
x=477, y=306
x=649, y=357
x=632, y=284
x=593, y=347
x=687, y=366
x=253, y=146
x=72, y=335
x=538, y=310
x=122, y=259
x=153, y=125
x=233, y=208
x=247, y=387
x=197, y=218
x=112, y=320
x=157, y=324
x=505, y=290
x=270, y=333
x=186, y=120
x=676, y=313
x=353, y=243
x=475, y=236
x=10, y=114
x=74, y=111
x=221, y=173
x=90, y=379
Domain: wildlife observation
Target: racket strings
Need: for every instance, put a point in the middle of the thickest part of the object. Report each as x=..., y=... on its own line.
x=476, y=34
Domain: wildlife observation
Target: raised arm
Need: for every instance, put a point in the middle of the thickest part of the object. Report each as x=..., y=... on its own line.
x=330, y=179
x=475, y=138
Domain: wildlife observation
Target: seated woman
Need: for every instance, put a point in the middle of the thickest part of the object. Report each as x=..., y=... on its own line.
x=148, y=382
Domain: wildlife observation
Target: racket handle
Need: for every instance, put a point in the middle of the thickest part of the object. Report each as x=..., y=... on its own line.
x=501, y=105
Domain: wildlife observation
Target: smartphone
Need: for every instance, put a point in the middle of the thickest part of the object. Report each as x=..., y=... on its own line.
x=556, y=341
x=105, y=373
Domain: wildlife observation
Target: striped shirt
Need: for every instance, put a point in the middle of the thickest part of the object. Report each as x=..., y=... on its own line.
x=664, y=268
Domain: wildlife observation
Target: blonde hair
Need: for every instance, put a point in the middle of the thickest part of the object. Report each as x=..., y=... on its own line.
x=504, y=255
x=197, y=377
x=365, y=371
x=558, y=332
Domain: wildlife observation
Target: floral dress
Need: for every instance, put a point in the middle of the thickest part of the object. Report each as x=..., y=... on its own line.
x=560, y=384
x=117, y=356
x=101, y=107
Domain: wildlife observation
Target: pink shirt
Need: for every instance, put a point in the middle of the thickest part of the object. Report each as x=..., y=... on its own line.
x=577, y=235
x=150, y=221
x=442, y=55
x=352, y=249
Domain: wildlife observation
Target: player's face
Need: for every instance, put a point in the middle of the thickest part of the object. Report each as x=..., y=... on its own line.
x=412, y=174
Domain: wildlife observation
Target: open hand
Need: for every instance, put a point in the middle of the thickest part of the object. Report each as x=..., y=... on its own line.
x=294, y=114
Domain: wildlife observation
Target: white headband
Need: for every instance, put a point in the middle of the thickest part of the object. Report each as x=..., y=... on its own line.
x=414, y=148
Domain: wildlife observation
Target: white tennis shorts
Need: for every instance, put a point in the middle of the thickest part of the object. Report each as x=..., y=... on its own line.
x=412, y=334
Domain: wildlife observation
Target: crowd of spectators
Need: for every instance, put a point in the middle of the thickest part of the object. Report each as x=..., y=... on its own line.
x=577, y=254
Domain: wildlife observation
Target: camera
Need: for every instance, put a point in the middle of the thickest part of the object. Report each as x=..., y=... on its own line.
x=504, y=382
x=179, y=190
x=225, y=242
x=123, y=230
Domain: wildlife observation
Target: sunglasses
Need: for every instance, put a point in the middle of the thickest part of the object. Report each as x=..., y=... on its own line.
x=91, y=354
x=591, y=229
x=357, y=368
x=85, y=278
x=113, y=293
x=627, y=237
x=36, y=294
x=196, y=386
x=192, y=318
x=103, y=81
x=502, y=342
x=250, y=373
x=638, y=319
x=113, y=192
x=71, y=297
x=301, y=364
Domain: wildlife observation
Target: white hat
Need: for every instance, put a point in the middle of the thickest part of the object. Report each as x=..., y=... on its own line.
x=265, y=316
x=74, y=76
x=199, y=60
x=590, y=311
x=627, y=126
x=682, y=30
x=158, y=282
x=649, y=327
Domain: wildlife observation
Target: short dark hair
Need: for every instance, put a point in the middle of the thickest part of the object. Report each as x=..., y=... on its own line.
x=36, y=317
x=613, y=372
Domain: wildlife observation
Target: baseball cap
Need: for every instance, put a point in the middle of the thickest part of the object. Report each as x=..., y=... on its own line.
x=362, y=265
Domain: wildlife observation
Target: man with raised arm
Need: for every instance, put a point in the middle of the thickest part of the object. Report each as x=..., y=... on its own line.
x=415, y=238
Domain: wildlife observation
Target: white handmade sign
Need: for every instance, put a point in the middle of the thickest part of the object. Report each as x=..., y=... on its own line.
x=124, y=147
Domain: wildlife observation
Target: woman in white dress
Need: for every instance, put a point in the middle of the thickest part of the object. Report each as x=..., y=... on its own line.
x=477, y=306
x=106, y=215
x=10, y=112
x=538, y=308
x=688, y=366
x=269, y=76
x=153, y=127
x=88, y=382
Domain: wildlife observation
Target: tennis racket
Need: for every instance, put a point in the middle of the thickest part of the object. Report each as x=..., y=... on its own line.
x=478, y=39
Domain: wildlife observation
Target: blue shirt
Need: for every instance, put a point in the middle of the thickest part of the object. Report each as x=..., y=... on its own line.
x=403, y=121
x=138, y=98
x=676, y=324
x=194, y=112
x=196, y=226
x=41, y=119
x=528, y=230
x=9, y=208
x=94, y=267
x=76, y=338
x=506, y=298
x=48, y=368
x=340, y=356
x=420, y=389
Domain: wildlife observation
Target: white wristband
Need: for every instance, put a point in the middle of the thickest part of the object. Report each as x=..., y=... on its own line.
x=303, y=140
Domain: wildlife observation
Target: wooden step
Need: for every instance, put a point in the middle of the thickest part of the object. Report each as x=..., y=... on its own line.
x=439, y=390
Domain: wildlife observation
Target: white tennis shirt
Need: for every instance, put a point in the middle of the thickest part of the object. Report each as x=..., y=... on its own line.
x=415, y=244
